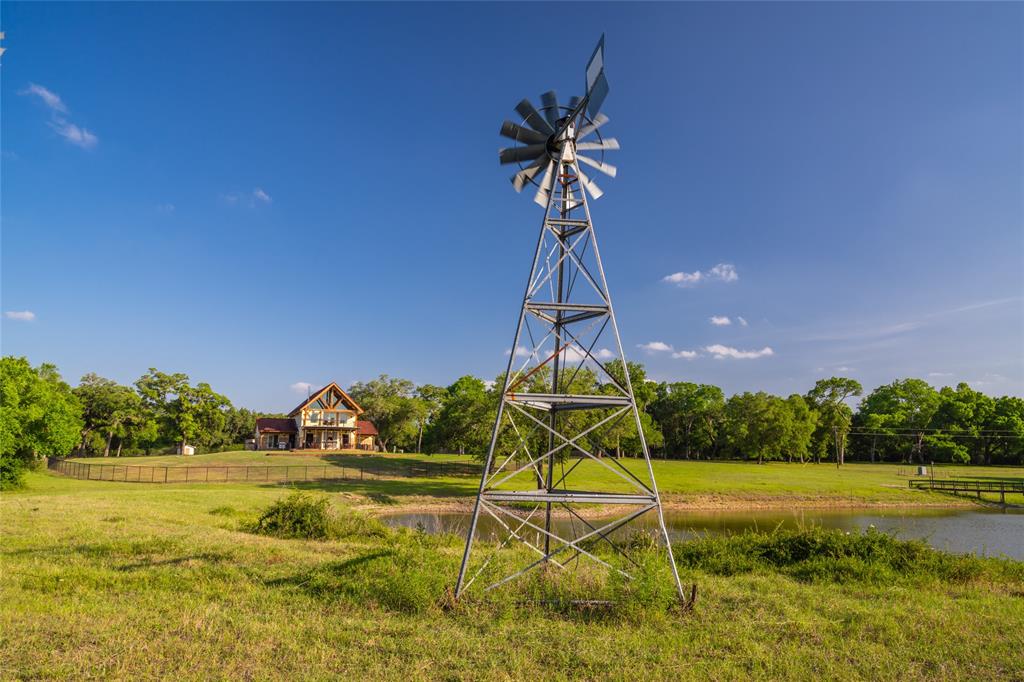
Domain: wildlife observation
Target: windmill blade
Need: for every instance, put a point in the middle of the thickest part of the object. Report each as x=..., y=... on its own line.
x=572, y=202
x=524, y=176
x=533, y=119
x=574, y=102
x=590, y=186
x=607, y=143
x=550, y=101
x=598, y=121
x=518, y=154
x=521, y=134
x=541, y=197
x=605, y=168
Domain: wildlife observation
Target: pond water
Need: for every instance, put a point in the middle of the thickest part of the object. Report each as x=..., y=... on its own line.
x=984, y=532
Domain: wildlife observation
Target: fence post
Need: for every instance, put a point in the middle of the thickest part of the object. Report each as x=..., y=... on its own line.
x=360, y=473
x=165, y=474
x=306, y=475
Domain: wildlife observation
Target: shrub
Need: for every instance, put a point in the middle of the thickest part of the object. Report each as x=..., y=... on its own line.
x=307, y=516
x=12, y=472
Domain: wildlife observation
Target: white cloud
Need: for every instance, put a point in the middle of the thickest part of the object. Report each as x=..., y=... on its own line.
x=73, y=134
x=23, y=315
x=574, y=354
x=521, y=351
x=655, y=346
x=257, y=196
x=683, y=278
x=303, y=387
x=723, y=272
x=845, y=369
x=940, y=374
x=720, y=351
x=720, y=320
x=742, y=321
x=685, y=354
x=989, y=379
x=165, y=208
x=49, y=97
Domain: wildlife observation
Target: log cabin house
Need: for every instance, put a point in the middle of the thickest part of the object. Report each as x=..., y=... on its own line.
x=327, y=420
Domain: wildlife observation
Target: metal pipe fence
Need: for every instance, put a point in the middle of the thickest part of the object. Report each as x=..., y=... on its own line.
x=267, y=473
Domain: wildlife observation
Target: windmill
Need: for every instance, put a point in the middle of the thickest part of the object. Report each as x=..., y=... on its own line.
x=551, y=425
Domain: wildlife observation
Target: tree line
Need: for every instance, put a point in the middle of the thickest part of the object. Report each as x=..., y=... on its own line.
x=42, y=415
x=907, y=420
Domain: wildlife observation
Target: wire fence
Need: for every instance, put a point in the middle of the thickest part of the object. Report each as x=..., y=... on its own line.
x=270, y=473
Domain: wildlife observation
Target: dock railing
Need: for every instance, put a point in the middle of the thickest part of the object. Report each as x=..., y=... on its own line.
x=957, y=486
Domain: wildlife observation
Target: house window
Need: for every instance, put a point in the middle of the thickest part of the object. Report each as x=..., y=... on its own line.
x=314, y=417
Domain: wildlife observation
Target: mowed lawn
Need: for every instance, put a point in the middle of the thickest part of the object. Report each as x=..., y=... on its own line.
x=697, y=483
x=141, y=581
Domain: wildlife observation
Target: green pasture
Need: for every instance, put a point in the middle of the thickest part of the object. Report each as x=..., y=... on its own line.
x=707, y=483
x=139, y=581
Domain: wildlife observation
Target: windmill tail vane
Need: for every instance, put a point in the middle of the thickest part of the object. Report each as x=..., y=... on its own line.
x=563, y=398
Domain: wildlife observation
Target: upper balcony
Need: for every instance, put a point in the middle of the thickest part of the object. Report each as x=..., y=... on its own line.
x=327, y=420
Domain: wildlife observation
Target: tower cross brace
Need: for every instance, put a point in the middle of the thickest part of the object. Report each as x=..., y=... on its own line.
x=545, y=425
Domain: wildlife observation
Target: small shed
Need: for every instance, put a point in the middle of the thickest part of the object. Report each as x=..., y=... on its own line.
x=366, y=435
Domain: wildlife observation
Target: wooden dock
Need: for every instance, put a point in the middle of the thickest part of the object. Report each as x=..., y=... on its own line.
x=956, y=487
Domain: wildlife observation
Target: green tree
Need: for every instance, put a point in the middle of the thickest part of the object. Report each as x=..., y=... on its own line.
x=109, y=409
x=390, y=404
x=904, y=407
x=801, y=422
x=186, y=413
x=464, y=420
x=39, y=416
x=430, y=400
x=689, y=415
x=1005, y=432
x=620, y=436
x=959, y=420
x=828, y=398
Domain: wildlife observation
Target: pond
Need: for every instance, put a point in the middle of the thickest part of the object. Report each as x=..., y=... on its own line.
x=979, y=531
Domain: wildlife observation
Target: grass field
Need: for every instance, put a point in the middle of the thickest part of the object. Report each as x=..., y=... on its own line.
x=138, y=581
x=683, y=483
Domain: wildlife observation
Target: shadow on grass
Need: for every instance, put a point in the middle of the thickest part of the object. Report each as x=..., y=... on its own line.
x=308, y=580
x=384, y=491
x=205, y=557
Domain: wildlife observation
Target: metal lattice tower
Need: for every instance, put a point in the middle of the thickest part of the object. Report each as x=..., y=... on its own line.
x=544, y=430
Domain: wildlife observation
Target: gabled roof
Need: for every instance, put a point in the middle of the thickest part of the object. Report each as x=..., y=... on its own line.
x=275, y=425
x=345, y=397
x=365, y=428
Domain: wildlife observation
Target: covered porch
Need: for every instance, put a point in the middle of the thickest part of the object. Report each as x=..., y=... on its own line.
x=327, y=438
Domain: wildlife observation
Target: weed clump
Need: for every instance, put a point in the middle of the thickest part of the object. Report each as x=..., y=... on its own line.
x=819, y=555
x=310, y=517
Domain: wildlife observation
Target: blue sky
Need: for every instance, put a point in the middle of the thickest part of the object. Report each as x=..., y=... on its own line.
x=262, y=195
